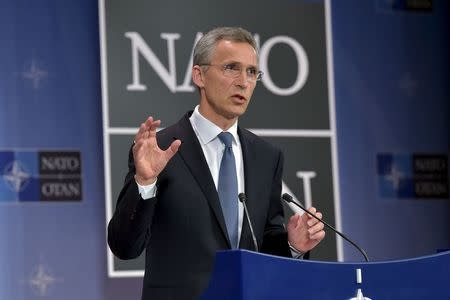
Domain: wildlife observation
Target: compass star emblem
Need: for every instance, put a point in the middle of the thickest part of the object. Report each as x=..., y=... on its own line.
x=34, y=74
x=395, y=177
x=41, y=280
x=16, y=176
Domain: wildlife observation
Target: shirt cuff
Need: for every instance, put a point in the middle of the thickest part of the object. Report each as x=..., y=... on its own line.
x=147, y=191
x=295, y=253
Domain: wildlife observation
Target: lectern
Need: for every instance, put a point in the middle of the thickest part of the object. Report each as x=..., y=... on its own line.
x=245, y=275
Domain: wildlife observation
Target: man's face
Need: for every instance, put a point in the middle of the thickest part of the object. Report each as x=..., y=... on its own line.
x=225, y=98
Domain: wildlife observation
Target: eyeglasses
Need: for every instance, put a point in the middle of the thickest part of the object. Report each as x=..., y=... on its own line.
x=234, y=70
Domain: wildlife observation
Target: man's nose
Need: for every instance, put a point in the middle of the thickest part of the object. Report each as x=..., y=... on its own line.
x=243, y=80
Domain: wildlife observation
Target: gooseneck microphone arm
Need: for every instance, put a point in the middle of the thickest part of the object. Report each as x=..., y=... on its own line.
x=288, y=198
x=242, y=198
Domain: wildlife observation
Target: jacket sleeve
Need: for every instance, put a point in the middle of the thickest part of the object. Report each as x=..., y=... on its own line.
x=129, y=227
x=275, y=235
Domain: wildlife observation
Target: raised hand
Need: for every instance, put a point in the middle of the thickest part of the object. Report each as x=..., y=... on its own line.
x=149, y=159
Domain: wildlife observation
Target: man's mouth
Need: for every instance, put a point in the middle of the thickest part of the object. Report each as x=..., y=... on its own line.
x=239, y=97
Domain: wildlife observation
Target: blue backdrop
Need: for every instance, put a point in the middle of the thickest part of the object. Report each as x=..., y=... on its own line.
x=391, y=89
x=50, y=100
x=392, y=96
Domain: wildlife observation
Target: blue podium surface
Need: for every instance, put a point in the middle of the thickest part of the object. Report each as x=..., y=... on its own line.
x=241, y=274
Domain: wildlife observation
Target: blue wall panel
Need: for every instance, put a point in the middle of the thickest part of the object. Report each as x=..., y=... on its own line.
x=391, y=88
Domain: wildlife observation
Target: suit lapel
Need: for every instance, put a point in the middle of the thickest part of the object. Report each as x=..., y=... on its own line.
x=192, y=155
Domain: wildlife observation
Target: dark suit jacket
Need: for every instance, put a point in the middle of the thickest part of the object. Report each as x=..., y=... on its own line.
x=183, y=226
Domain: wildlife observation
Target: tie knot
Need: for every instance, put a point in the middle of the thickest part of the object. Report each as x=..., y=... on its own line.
x=226, y=138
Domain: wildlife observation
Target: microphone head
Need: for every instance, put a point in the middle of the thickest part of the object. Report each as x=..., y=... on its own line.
x=241, y=197
x=286, y=197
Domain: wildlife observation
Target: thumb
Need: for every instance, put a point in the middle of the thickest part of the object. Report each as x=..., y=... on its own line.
x=305, y=217
x=173, y=149
x=294, y=220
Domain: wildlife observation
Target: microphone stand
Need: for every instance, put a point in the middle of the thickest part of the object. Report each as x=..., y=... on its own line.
x=242, y=198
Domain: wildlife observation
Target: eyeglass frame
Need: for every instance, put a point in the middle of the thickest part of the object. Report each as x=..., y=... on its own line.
x=258, y=76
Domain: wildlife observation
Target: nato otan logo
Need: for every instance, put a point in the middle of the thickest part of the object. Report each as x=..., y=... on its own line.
x=27, y=176
x=416, y=175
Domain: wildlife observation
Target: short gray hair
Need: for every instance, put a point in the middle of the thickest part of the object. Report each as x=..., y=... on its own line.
x=204, y=48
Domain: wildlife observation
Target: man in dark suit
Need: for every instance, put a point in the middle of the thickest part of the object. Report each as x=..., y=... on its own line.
x=181, y=204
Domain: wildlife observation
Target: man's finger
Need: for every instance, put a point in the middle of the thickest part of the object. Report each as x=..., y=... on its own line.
x=305, y=217
x=293, y=221
x=313, y=220
x=141, y=130
x=312, y=210
x=316, y=228
x=173, y=148
x=154, y=125
x=318, y=236
x=145, y=127
x=149, y=121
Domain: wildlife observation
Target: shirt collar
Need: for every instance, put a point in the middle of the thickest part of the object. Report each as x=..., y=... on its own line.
x=207, y=130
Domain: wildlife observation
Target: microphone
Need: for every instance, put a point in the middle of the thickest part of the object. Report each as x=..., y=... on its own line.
x=288, y=198
x=242, y=198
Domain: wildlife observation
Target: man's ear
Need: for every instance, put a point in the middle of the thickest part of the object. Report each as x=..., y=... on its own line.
x=197, y=76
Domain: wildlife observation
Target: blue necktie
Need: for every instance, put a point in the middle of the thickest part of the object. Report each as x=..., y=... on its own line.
x=228, y=189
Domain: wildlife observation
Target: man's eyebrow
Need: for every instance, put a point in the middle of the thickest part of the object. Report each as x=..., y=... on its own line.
x=233, y=62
